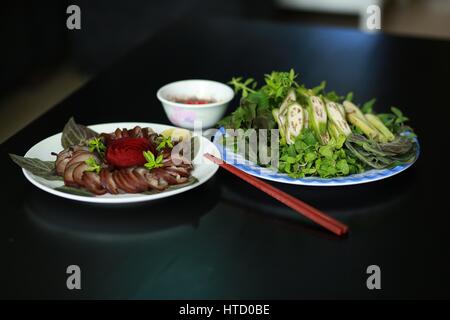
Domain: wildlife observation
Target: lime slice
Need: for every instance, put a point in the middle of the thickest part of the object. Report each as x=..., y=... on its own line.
x=177, y=134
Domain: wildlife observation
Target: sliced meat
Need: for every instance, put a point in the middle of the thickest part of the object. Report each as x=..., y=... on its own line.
x=137, y=132
x=78, y=173
x=62, y=160
x=122, y=184
x=118, y=133
x=81, y=156
x=151, y=179
x=131, y=179
x=164, y=175
x=108, y=182
x=92, y=182
x=183, y=172
x=68, y=175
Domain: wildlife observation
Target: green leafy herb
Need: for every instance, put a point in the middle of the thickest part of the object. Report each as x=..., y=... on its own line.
x=166, y=142
x=368, y=106
x=97, y=145
x=245, y=87
x=308, y=150
x=93, y=165
x=74, y=134
x=333, y=96
x=278, y=84
x=152, y=162
x=307, y=157
x=253, y=112
x=395, y=121
x=349, y=97
x=75, y=191
x=43, y=169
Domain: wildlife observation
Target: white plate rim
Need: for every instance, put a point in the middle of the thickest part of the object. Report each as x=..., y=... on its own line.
x=125, y=198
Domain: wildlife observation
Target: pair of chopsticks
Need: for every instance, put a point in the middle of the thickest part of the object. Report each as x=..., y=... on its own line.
x=301, y=207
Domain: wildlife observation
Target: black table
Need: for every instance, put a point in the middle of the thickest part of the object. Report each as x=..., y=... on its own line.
x=225, y=239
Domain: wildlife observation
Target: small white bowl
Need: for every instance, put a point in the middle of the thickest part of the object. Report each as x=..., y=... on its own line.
x=184, y=115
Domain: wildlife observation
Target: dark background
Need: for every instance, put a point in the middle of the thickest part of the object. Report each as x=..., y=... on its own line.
x=236, y=243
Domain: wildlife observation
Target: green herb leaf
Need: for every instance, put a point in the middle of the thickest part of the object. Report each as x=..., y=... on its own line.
x=93, y=165
x=246, y=86
x=349, y=97
x=166, y=142
x=74, y=134
x=151, y=161
x=97, y=145
x=75, y=191
x=43, y=169
x=368, y=106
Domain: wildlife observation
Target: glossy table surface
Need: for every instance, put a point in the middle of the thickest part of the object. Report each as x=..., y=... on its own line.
x=226, y=239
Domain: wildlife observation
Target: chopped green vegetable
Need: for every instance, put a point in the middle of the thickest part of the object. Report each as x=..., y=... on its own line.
x=281, y=124
x=97, y=145
x=295, y=122
x=363, y=125
x=322, y=133
x=317, y=118
x=368, y=106
x=307, y=157
x=93, y=165
x=277, y=84
x=349, y=97
x=336, y=118
x=332, y=130
x=357, y=118
x=246, y=86
x=151, y=161
x=377, y=123
x=350, y=108
x=166, y=142
x=290, y=98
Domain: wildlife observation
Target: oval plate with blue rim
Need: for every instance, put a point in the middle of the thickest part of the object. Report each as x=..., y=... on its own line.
x=252, y=168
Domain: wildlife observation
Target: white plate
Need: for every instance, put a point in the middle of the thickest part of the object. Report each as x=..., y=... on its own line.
x=203, y=168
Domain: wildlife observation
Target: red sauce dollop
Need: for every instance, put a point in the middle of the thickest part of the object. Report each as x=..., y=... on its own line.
x=127, y=152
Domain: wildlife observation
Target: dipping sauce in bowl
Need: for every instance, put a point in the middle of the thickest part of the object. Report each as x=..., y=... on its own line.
x=193, y=101
x=202, y=102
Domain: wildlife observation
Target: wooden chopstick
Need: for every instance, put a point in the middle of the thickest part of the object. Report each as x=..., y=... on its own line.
x=301, y=207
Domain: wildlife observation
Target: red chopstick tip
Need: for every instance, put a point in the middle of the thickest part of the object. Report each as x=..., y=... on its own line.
x=214, y=159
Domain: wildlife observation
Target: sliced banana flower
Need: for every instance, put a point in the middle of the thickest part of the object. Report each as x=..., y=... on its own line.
x=317, y=116
x=295, y=121
x=335, y=116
